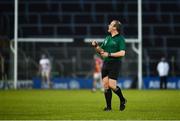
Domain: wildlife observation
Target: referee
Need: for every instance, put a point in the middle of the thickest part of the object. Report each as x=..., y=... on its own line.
x=112, y=50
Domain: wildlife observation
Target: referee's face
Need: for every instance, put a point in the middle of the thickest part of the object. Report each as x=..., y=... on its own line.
x=111, y=27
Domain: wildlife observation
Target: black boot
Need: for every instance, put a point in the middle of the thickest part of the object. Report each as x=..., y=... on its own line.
x=123, y=101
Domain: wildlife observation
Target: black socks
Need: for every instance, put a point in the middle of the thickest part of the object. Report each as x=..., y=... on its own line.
x=118, y=92
x=108, y=97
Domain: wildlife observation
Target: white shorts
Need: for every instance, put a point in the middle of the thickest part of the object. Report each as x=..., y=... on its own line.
x=45, y=73
x=97, y=76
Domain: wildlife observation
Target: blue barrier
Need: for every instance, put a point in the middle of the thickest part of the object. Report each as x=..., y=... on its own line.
x=72, y=83
x=77, y=83
x=151, y=83
x=124, y=83
x=154, y=82
x=36, y=83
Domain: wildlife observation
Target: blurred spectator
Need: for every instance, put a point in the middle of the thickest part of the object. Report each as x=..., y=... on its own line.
x=163, y=70
x=3, y=71
x=97, y=73
x=45, y=71
x=2, y=66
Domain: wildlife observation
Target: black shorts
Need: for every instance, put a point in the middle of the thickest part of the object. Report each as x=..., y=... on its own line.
x=111, y=69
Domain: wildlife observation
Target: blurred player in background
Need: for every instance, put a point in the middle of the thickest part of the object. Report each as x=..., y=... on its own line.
x=112, y=50
x=163, y=70
x=97, y=73
x=45, y=70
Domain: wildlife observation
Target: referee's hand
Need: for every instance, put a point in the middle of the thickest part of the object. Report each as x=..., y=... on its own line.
x=94, y=43
x=104, y=54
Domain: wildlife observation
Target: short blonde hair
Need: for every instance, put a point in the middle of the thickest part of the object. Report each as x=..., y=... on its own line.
x=117, y=25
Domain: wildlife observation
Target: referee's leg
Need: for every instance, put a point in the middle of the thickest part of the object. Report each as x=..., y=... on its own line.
x=116, y=89
x=107, y=93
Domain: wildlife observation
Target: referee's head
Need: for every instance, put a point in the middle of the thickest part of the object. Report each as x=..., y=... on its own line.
x=117, y=25
x=114, y=26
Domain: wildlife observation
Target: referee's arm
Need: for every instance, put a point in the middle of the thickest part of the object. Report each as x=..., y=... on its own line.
x=120, y=53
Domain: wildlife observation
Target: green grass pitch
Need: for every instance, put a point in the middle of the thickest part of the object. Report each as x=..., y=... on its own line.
x=85, y=105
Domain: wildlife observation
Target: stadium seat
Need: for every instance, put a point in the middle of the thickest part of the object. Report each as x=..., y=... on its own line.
x=81, y=19
x=169, y=7
x=50, y=19
x=104, y=7
x=64, y=30
x=48, y=31
x=32, y=18
x=132, y=7
x=70, y=7
x=39, y=7
x=162, y=30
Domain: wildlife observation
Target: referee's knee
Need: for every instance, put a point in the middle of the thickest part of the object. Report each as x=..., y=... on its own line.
x=112, y=86
x=106, y=86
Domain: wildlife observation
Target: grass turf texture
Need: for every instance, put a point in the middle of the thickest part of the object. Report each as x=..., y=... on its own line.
x=85, y=105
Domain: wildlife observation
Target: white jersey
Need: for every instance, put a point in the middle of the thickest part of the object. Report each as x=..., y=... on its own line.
x=45, y=64
x=163, y=68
